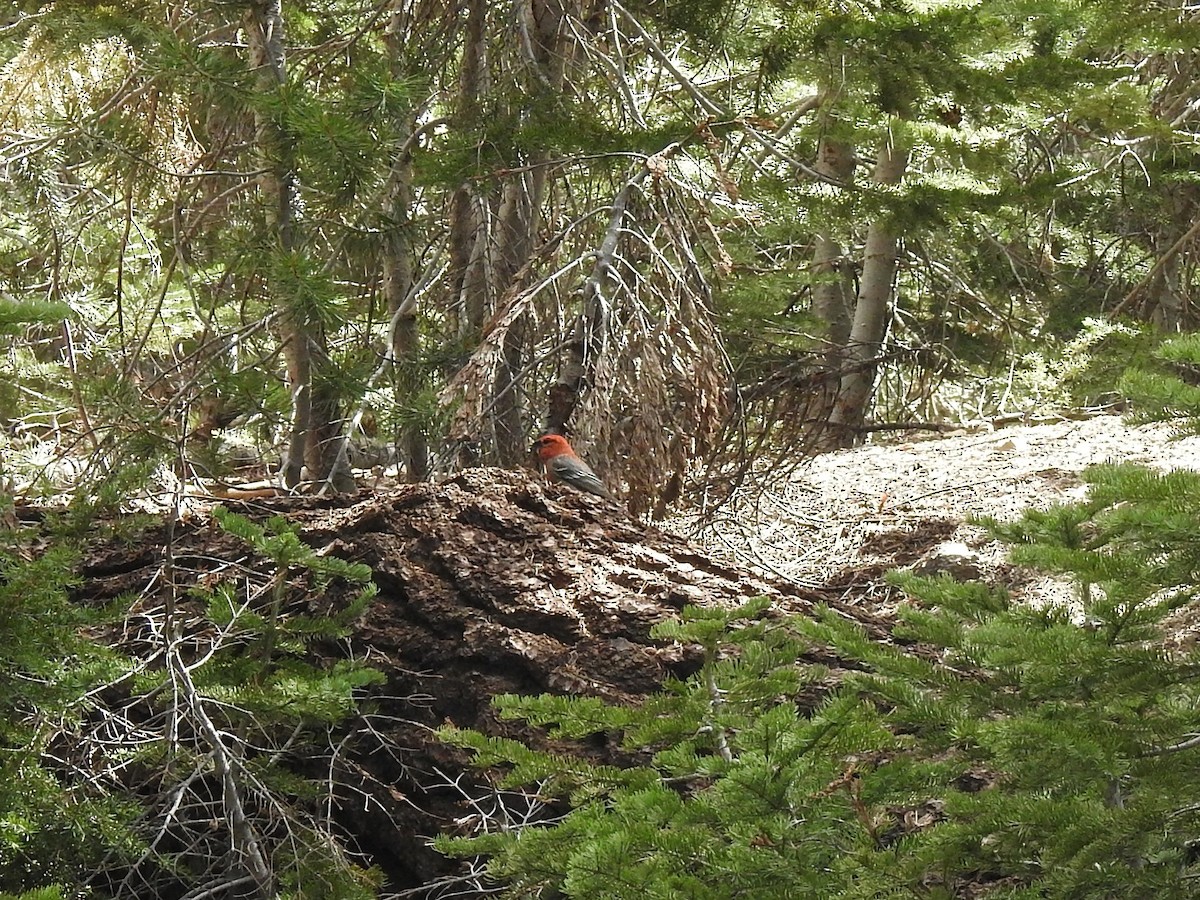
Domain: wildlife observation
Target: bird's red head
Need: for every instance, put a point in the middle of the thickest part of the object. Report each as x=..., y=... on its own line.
x=549, y=446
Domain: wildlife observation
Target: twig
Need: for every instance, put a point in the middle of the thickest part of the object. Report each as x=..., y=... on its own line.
x=1193, y=741
x=939, y=427
x=1155, y=270
x=72, y=364
x=227, y=770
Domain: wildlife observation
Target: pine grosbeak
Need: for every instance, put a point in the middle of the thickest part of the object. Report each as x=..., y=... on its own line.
x=561, y=464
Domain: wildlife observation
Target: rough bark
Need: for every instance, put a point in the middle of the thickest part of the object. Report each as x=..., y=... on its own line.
x=519, y=217
x=869, y=327
x=323, y=448
x=1169, y=306
x=406, y=349
x=518, y=221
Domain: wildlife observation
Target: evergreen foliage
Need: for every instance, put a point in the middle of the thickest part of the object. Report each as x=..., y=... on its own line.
x=728, y=766
x=1168, y=386
x=54, y=828
x=1050, y=169
x=1041, y=751
x=1087, y=370
x=276, y=706
x=281, y=544
x=65, y=698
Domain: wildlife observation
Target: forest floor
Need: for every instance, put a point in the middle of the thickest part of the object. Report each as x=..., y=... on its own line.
x=493, y=582
x=855, y=512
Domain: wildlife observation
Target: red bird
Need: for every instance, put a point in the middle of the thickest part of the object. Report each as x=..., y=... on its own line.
x=561, y=464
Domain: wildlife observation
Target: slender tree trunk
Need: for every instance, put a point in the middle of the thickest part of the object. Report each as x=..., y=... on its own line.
x=1170, y=303
x=398, y=279
x=869, y=327
x=468, y=211
x=315, y=424
x=833, y=287
x=406, y=345
x=519, y=219
x=833, y=281
x=468, y=264
x=495, y=235
x=322, y=449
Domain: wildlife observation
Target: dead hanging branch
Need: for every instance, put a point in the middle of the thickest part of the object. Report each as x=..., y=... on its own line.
x=652, y=402
x=776, y=424
x=1156, y=270
x=641, y=377
x=469, y=393
x=589, y=336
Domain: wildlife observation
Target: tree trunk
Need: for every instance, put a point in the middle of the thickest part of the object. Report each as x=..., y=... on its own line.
x=495, y=234
x=869, y=328
x=406, y=339
x=1169, y=303
x=467, y=211
x=833, y=281
x=833, y=286
x=413, y=441
x=519, y=219
x=518, y=222
x=315, y=424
